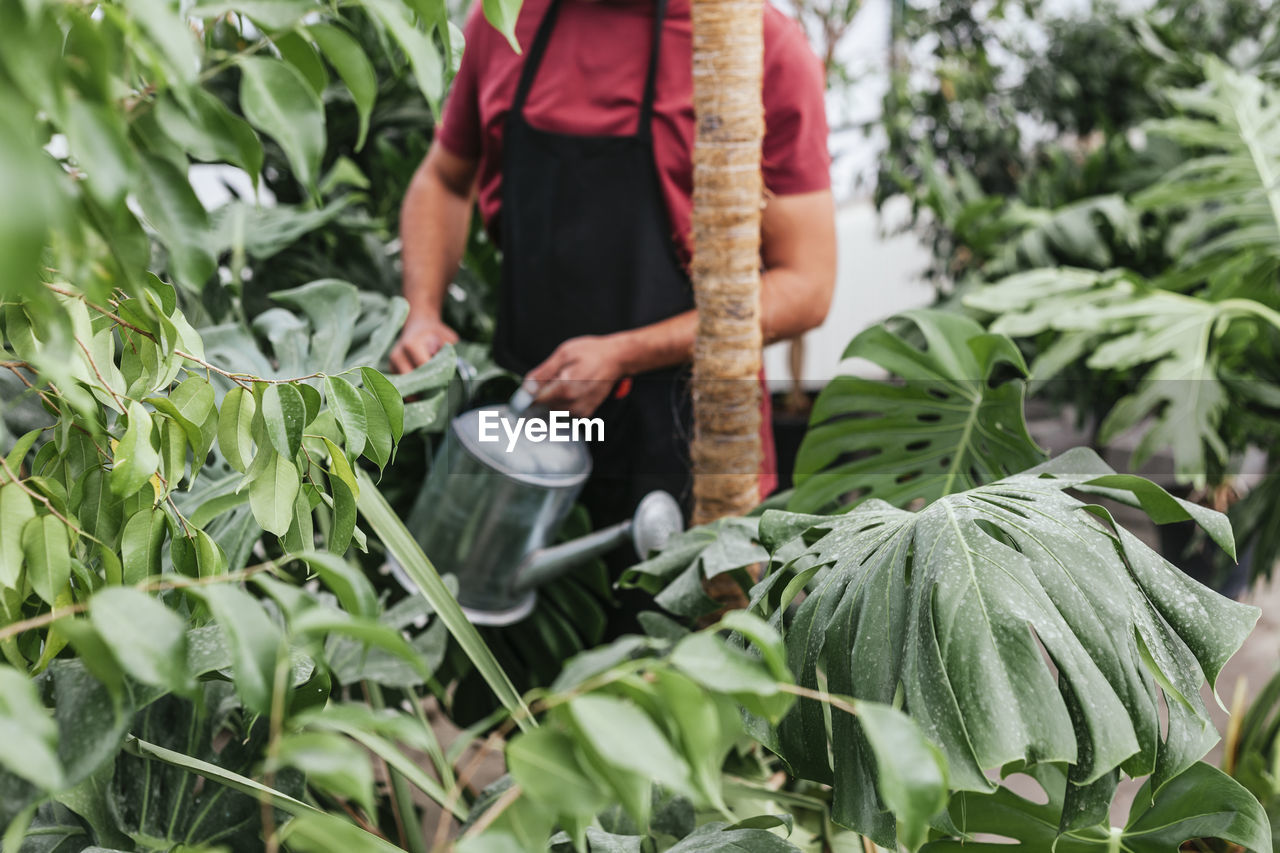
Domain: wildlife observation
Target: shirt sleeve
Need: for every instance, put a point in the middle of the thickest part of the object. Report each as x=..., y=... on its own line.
x=795, y=157
x=459, y=130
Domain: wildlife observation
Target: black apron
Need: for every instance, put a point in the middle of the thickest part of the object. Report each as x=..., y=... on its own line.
x=587, y=250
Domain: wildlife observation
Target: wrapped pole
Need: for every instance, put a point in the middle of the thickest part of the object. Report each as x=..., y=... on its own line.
x=728, y=191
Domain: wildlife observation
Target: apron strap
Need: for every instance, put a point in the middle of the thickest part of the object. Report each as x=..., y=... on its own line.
x=539, y=48
x=534, y=59
x=645, y=129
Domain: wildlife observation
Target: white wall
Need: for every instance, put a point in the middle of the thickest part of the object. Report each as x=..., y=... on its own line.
x=877, y=276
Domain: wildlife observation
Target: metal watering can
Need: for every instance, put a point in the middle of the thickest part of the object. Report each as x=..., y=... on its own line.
x=489, y=510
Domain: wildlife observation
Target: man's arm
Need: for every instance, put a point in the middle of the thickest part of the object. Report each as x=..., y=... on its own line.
x=434, y=221
x=798, y=250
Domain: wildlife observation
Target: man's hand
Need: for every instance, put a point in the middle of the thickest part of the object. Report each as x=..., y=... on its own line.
x=580, y=374
x=420, y=339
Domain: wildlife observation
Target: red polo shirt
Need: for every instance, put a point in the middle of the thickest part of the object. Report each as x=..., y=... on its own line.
x=591, y=82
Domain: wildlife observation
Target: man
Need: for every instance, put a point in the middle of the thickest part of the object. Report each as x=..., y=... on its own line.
x=579, y=150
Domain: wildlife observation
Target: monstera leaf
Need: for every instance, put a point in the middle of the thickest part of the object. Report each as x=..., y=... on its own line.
x=953, y=422
x=1176, y=343
x=1229, y=192
x=968, y=607
x=1201, y=802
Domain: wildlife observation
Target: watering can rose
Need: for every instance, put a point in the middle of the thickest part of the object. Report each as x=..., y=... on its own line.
x=557, y=426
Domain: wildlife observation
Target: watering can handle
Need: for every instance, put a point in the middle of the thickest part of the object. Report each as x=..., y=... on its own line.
x=466, y=375
x=523, y=398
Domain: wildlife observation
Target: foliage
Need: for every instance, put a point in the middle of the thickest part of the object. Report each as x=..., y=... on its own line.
x=1200, y=803
x=950, y=425
x=1253, y=748
x=1186, y=351
x=1127, y=168
x=1016, y=623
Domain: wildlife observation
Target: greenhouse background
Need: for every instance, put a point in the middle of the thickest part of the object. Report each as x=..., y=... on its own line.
x=985, y=563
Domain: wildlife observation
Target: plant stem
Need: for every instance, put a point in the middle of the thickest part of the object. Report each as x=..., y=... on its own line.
x=411, y=833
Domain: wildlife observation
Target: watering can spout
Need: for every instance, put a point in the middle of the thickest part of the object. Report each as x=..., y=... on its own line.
x=657, y=518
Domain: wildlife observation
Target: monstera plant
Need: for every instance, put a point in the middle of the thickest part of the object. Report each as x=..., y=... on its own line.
x=1009, y=615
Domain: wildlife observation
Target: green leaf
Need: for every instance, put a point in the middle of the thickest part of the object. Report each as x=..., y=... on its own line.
x=18, y=452
x=378, y=445
x=47, y=550
x=348, y=58
x=169, y=34
x=141, y=545
x=331, y=762
x=235, y=427
x=1200, y=803
x=16, y=510
x=278, y=101
x=285, y=415
x=348, y=582
x=719, y=838
x=953, y=604
x=708, y=660
x=400, y=544
x=347, y=404
x=270, y=14
x=300, y=53
x=371, y=729
x=28, y=735
x=272, y=491
x=147, y=638
x=502, y=14
x=256, y=643
x=428, y=67
x=322, y=830
x=172, y=209
x=624, y=737
x=344, y=516
x=389, y=397
x=210, y=560
x=191, y=404
x=340, y=468
x=173, y=452
x=944, y=429
x=209, y=131
x=96, y=138
x=911, y=774
x=544, y=764
x=136, y=457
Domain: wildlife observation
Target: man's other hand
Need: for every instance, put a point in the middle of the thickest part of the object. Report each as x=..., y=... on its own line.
x=580, y=374
x=420, y=339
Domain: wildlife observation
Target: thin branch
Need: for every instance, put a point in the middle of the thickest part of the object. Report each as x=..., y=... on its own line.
x=243, y=379
x=820, y=696
x=16, y=628
x=47, y=503
x=494, y=811
x=101, y=380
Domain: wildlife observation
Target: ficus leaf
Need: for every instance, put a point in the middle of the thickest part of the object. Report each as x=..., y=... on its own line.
x=28, y=734
x=256, y=643
x=140, y=545
x=16, y=510
x=347, y=404
x=136, y=457
x=284, y=413
x=235, y=427
x=273, y=487
x=348, y=58
x=147, y=638
x=388, y=397
x=278, y=100
x=47, y=550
